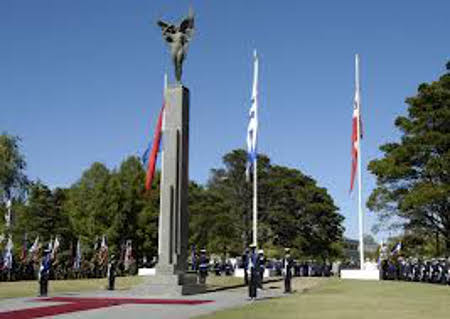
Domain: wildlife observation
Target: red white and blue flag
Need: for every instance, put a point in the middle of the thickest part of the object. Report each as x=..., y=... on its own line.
x=356, y=127
x=150, y=161
x=155, y=150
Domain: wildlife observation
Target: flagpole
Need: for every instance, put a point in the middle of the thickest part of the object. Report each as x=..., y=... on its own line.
x=358, y=125
x=255, y=162
x=255, y=203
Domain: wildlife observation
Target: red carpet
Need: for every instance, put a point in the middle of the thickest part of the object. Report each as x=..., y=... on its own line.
x=72, y=304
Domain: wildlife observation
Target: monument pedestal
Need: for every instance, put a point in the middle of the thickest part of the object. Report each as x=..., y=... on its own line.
x=170, y=273
x=172, y=285
x=369, y=272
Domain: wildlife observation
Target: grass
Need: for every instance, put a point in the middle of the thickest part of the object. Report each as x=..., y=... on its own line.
x=30, y=288
x=219, y=282
x=352, y=300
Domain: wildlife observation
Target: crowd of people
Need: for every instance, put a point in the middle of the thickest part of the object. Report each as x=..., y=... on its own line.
x=395, y=266
x=254, y=266
x=435, y=270
x=72, y=264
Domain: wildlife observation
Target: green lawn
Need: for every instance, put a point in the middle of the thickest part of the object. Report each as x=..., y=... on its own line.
x=352, y=299
x=30, y=288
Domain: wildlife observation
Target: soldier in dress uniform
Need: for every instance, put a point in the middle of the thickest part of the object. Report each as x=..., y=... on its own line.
x=203, y=266
x=384, y=255
x=111, y=273
x=261, y=268
x=253, y=265
x=44, y=272
x=287, y=270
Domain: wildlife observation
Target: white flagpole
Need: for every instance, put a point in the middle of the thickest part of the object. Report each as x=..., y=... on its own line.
x=255, y=163
x=358, y=125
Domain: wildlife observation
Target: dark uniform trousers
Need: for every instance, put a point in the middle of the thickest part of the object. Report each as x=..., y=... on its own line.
x=253, y=285
x=287, y=282
x=111, y=276
x=43, y=284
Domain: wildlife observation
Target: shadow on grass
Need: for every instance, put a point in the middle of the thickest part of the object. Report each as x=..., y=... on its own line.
x=215, y=289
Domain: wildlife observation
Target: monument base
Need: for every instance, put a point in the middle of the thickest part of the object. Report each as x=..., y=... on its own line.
x=172, y=284
x=360, y=274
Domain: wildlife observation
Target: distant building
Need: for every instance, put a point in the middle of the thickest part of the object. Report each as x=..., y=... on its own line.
x=351, y=248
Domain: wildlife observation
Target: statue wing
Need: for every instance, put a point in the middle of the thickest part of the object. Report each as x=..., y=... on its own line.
x=187, y=25
x=167, y=28
x=163, y=25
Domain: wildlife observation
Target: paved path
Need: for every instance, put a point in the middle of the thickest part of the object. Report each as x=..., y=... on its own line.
x=124, y=304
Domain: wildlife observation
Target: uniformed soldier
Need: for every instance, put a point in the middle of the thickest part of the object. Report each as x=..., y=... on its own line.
x=261, y=268
x=44, y=272
x=111, y=273
x=203, y=266
x=287, y=270
x=384, y=255
x=253, y=265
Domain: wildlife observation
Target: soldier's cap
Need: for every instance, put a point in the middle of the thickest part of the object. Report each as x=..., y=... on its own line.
x=261, y=251
x=287, y=249
x=46, y=251
x=203, y=250
x=252, y=246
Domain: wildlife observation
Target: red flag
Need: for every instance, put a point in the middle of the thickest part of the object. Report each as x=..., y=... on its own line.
x=355, y=140
x=356, y=125
x=155, y=150
x=354, y=147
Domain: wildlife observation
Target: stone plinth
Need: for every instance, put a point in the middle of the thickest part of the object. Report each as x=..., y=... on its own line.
x=365, y=274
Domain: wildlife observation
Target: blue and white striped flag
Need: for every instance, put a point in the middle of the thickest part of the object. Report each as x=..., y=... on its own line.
x=252, y=130
x=397, y=248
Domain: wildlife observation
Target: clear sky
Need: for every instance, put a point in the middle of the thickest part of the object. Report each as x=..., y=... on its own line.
x=81, y=81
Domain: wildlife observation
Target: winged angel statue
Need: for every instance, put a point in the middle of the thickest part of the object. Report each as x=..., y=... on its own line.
x=177, y=38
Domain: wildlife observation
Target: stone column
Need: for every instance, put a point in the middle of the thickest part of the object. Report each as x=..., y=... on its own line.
x=174, y=215
x=171, y=275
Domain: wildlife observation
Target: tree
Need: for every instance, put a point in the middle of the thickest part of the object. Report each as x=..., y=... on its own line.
x=88, y=202
x=13, y=181
x=43, y=214
x=12, y=165
x=413, y=177
x=292, y=210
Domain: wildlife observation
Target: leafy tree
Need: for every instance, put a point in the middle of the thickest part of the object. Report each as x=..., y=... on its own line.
x=12, y=165
x=88, y=202
x=292, y=210
x=413, y=177
x=13, y=181
x=43, y=215
x=211, y=225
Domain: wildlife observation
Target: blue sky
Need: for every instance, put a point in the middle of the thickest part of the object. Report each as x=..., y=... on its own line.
x=81, y=81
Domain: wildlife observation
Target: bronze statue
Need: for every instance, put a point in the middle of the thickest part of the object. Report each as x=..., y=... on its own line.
x=178, y=37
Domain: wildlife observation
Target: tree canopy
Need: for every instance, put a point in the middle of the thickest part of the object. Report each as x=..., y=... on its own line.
x=292, y=210
x=413, y=176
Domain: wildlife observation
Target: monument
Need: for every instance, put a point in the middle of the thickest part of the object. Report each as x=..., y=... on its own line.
x=171, y=271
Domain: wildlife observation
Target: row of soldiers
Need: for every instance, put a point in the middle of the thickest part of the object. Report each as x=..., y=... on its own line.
x=436, y=270
x=254, y=266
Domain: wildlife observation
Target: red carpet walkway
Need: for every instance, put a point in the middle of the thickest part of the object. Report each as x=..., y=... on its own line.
x=83, y=304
